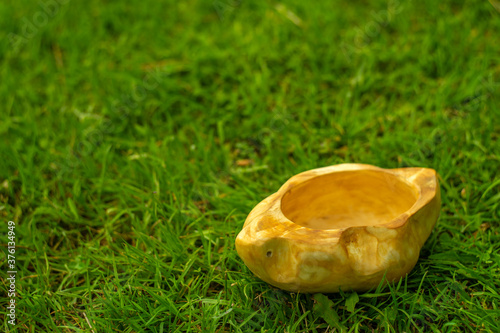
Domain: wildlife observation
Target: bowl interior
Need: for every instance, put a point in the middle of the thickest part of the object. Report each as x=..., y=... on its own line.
x=347, y=199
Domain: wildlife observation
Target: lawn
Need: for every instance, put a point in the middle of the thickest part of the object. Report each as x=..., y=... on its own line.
x=136, y=136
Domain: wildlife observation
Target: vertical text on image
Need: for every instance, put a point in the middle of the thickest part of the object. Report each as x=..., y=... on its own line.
x=11, y=272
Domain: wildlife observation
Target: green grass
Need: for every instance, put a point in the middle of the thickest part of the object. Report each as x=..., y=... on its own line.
x=122, y=124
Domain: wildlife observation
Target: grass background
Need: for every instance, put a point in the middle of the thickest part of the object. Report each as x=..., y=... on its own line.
x=137, y=135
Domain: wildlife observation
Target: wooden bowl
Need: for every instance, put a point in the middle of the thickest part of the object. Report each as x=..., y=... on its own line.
x=341, y=227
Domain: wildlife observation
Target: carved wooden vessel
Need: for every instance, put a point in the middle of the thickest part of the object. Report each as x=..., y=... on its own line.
x=341, y=227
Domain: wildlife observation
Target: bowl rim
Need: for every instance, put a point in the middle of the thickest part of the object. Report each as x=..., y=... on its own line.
x=423, y=180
